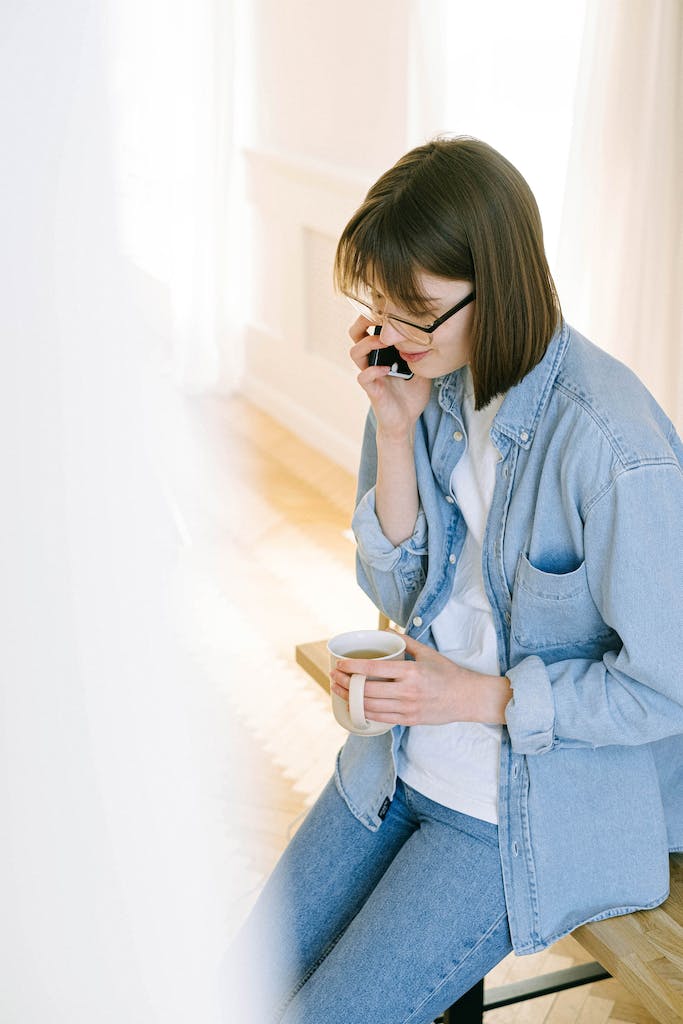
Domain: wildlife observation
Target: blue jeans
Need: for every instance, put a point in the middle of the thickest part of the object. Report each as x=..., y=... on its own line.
x=387, y=927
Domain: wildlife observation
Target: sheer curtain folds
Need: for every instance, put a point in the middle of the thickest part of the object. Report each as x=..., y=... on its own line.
x=621, y=260
x=113, y=842
x=172, y=86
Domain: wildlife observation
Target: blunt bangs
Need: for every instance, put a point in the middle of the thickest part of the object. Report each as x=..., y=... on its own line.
x=379, y=248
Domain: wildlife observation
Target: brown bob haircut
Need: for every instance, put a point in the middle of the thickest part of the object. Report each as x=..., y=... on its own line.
x=457, y=209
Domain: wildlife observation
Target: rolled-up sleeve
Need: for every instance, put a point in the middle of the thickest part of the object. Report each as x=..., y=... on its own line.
x=530, y=714
x=374, y=548
x=391, y=575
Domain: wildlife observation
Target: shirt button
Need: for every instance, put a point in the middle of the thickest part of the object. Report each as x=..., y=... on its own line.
x=417, y=621
x=508, y=618
x=524, y=436
x=515, y=849
x=457, y=436
x=449, y=499
x=451, y=559
x=515, y=771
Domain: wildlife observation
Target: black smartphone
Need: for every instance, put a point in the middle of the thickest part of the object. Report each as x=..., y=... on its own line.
x=389, y=357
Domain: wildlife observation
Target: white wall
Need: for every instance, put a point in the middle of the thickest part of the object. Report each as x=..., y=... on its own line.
x=328, y=114
x=329, y=81
x=341, y=92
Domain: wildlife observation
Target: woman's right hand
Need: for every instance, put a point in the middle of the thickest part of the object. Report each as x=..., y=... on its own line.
x=397, y=403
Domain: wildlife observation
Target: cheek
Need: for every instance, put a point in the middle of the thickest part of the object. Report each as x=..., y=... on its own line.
x=465, y=330
x=467, y=324
x=457, y=353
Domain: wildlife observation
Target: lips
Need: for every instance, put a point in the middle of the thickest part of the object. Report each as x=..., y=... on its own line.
x=413, y=357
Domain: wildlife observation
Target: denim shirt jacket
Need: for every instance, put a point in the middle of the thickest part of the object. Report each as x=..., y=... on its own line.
x=583, y=570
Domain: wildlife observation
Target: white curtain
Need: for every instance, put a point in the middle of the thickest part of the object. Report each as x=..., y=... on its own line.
x=113, y=820
x=621, y=267
x=172, y=84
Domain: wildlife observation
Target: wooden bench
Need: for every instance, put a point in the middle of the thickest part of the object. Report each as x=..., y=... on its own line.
x=644, y=950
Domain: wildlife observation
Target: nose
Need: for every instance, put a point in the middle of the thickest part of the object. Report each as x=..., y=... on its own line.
x=390, y=336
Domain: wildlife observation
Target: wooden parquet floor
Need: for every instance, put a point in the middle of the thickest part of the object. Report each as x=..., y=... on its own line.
x=269, y=563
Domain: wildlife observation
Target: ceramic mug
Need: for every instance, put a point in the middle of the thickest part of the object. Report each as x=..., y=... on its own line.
x=376, y=644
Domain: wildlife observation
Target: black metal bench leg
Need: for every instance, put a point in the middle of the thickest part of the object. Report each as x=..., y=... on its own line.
x=469, y=1009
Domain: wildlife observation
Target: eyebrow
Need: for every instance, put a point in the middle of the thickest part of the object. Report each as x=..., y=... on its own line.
x=431, y=305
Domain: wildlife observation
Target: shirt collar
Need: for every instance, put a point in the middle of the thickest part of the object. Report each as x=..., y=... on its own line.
x=523, y=406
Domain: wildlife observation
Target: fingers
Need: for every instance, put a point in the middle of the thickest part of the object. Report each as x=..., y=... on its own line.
x=362, y=349
x=390, y=711
x=364, y=342
x=386, y=708
x=375, y=689
x=378, y=669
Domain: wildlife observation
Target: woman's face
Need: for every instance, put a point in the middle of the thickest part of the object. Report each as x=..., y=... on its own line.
x=450, y=344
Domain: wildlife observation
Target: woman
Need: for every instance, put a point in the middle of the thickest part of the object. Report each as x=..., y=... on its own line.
x=520, y=512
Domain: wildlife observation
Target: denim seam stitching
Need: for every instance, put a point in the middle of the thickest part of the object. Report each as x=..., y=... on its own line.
x=457, y=967
x=361, y=816
x=282, y=1008
x=645, y=464
x=603, y=427
x=543, y=941
x=500, y=536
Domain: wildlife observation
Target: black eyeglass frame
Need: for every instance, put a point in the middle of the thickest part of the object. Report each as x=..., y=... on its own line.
x=418, y=327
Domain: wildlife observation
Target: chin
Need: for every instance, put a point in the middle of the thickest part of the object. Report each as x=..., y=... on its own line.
x=426, y=374
x=437, y=370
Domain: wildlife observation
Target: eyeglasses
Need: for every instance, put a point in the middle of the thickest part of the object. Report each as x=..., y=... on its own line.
x=409, y=330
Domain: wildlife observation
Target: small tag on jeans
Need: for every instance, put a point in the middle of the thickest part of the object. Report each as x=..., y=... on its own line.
x=384, y=809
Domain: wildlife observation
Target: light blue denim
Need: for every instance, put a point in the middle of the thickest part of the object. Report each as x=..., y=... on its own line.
x=386, y=927
x=583, y=568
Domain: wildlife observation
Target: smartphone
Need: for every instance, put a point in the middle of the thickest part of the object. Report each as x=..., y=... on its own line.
x=389, y=357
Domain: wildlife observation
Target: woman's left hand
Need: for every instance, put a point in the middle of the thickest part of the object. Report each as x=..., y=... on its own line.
x=431, y=690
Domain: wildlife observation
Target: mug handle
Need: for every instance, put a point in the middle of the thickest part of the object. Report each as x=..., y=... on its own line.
x=356, y=699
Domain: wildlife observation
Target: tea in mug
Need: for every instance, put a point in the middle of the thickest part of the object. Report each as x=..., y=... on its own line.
x=366, y=653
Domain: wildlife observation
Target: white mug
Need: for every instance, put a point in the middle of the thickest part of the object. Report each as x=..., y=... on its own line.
x=362, y=643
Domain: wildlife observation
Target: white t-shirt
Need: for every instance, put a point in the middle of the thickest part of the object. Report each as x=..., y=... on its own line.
x=457, y=764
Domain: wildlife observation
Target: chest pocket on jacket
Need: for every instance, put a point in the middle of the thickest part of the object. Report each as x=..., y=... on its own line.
x=552, y=611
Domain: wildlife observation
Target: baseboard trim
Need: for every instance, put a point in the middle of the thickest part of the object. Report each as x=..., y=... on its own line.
x=307, y=427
